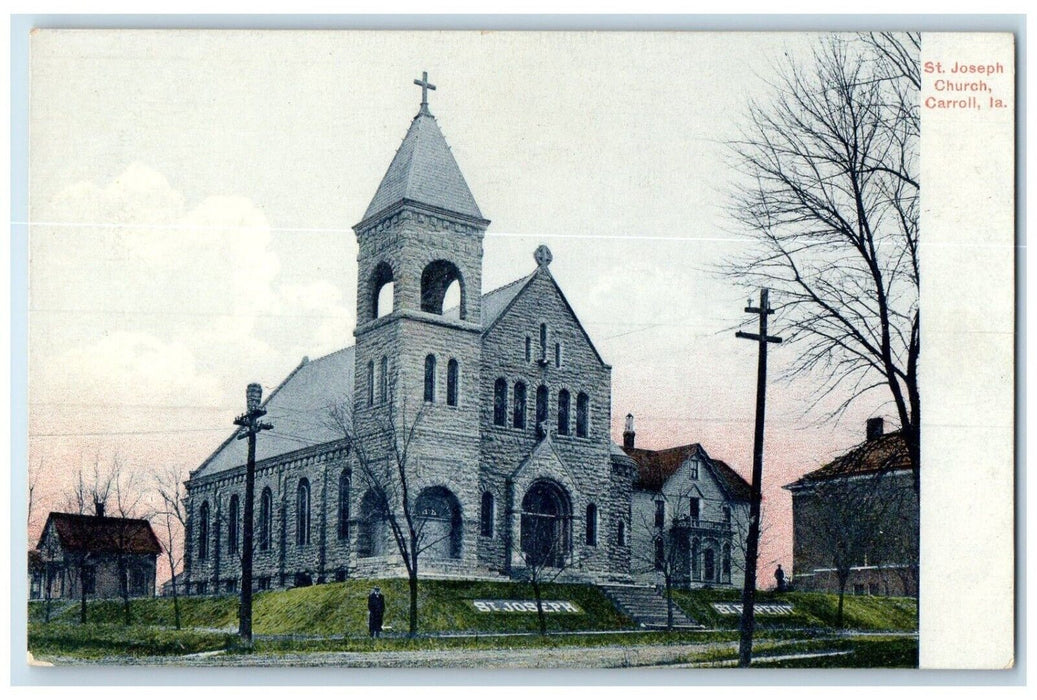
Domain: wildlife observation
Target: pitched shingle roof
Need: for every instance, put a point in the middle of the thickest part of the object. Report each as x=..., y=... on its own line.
x=299, y=410
x=654, y=467
x=424, y=170
x=882, y=454
x=89, y=533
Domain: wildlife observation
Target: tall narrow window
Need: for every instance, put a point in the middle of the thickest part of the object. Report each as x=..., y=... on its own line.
x=621, y=534
x=726, y=510
x=343, y=505
x=695, y=560
x=518, y=418
x=302, y=513
x=486, y=515
x=660, y=513
x=660, y=553
x=500, y=401
x=370, y=383
x=451, y=382
x=694, y=511
x=694, y=469
x=266, y=509
x=203, y=531
x=582, y=414
x=558, y=354
x=232, y=526
x=543, y=342
x=563, y=412
x=726, y=564
x=383, y=380
x=541, y=406
x=529, y=348
x=592, y=525
x=430, y=378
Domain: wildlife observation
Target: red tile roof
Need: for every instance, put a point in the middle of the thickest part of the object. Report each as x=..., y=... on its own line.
x=89, y=533
x=882, y=454
x=654, y=467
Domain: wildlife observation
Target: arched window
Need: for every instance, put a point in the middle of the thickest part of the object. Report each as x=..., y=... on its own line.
x=343, y=505
x=726, y=564
x=695, y=575
x=708, y=564
x=660, y=554
x=302, y=513
x=592, y=525
x=529, y=348
x=266, y=511
x=430, y=378
x=621, y=534
x=437, y=278
x=451, y=382
x=500, y=401
x=563, y=412
x=546, y=522
x=370, y=383
x=582, y=414
x=541, y=406
x=383, y=380
x=371, y=533
x=518, y=418
x=381, y=290
x=203, y=531
x=486, y=515
x=232, y=525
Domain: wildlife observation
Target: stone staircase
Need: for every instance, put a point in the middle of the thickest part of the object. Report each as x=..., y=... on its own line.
x=646, y=606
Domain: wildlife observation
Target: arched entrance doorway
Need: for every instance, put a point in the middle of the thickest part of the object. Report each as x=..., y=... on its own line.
x=439, y=523
x=546, y=525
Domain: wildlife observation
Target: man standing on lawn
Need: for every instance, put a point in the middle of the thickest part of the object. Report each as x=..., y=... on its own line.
x=375, y=611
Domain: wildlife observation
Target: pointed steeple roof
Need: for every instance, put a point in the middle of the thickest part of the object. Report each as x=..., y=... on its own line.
x=424, y=171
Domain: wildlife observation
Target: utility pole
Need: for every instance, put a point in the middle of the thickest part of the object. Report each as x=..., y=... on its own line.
x=745, y=646
x=250, y=427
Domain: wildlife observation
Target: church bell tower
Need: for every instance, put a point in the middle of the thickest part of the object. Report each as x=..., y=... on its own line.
x=419, y=347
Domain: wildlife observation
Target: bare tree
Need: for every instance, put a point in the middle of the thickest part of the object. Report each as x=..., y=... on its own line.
x=382, y=447
x=543, y=565
x=172, y=520
x=829, y=198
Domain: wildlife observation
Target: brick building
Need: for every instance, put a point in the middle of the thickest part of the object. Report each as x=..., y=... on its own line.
x=858, y=516
x=95, y=552
x=512, y=457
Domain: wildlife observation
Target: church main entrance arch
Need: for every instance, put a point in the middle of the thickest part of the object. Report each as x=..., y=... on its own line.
x=439, y=523
x=546, y=525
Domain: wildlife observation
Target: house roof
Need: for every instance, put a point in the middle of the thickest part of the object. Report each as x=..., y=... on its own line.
x=90, y=533
x=883, y=454
x=424, y=170
x=655, y=467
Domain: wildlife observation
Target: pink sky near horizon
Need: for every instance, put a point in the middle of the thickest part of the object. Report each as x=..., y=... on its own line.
x=204, y=186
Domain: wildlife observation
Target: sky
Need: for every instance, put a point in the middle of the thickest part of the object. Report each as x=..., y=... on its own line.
x=192, y=196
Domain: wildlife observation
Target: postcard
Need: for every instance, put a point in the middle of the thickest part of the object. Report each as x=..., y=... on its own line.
x=521, y=349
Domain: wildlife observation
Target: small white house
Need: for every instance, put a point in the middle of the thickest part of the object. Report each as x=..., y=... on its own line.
x=689, y=517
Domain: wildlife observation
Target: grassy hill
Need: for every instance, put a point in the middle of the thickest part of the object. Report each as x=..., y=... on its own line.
x=341, y=608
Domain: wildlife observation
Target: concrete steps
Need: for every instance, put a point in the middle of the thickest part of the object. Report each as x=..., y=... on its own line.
x=646, y=606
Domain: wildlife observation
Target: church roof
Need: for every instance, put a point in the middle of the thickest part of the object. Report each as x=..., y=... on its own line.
x=495, y=303
x=424, y=171
x=90, y=533
x=886, y=453
x=299, y=411
x=655, y=467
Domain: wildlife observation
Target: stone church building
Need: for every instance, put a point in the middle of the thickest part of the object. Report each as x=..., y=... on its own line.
x=503, y=398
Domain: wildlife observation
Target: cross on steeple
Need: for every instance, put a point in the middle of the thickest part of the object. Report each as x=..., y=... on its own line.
x=425, y=87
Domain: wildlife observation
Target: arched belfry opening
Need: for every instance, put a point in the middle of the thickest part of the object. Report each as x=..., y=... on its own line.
x=546, y=525
x=442, y=287
x=381, y=289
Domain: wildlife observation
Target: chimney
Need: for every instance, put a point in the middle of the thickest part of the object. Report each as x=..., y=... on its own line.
x=874, y=429
x=99, y=509
x=628, y=432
